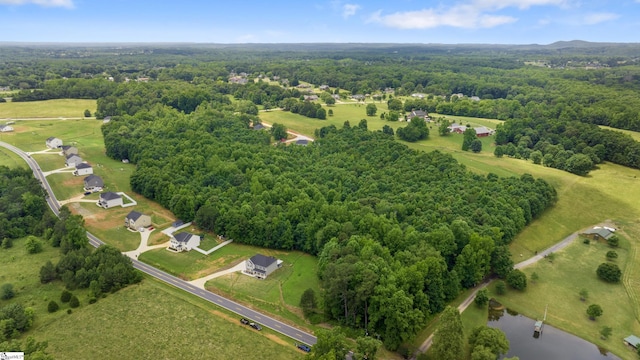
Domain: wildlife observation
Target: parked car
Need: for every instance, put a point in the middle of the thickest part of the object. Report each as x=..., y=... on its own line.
x=244, y=321
x=88, y=193
x=303, y=347
x=255, y=326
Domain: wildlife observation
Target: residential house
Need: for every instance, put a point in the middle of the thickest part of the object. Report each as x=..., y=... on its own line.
x=358, y=97
x=72, y=160
x=311, y=97
x=109, y=200
x=324, y=87
x=54, y=143
x=5, y=88
x=598, y=233
x=303, y=142
x=69, y=150
x=418, y=95
x=6, y=128
x=184, y=241
x=632, y=341
x=388, y=90
x=457, y=128
x=262, y=266
x=83, y=169
x=420, y=114
x=482, y=131
x=93, y=183
x=303, y=86
x=336, y=96
x=258, y=126
x=135, y=220
x=474, y=98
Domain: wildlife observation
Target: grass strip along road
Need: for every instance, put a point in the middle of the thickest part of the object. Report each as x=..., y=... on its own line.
x=273, y=324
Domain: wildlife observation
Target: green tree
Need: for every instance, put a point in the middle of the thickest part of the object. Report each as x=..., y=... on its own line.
x=609, y=272
x=48, y=272
x=416, y=130
x=468, y=136
x=321, y=114
x=7, y=243
x=393, y=116
x=330, y=112
x=612, y=255
x=613, y=241
x=74, y=302
x=331, y=344
x=476, y=145
x=371, y=109
x=65, y=296
x=501, y=287
x=367, y=347
x=579, y=164
x=387, y=130
x=308, y=302
x=517, y=280
x=33, y=245
x=6, y=292
x=499, y=151
x=363, y=124
x=482, y=297
x=448, y=341
x=278, y=131
x=53, y=306
x=536, y=157
x=443, y=128
x=594, y=311
x=605, y=332
x=87, y=113
x=395, y=104
x=489, y=338
x=584, y=294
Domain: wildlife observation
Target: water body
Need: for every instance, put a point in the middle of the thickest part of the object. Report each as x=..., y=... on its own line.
x=552, y=344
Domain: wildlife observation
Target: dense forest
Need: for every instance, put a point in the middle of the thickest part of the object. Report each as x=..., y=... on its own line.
x=417, y=225
x=22, y=204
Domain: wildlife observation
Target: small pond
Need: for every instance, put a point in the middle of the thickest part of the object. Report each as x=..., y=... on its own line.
x=551, y=344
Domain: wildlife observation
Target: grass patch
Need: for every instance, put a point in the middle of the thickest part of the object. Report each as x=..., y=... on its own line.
x=10, y=159
x=208, y=242
x=47, y=108
x=559, y=285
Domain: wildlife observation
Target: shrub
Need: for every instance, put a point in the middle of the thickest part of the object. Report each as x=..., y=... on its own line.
x=609, y=272
x=33, y=245
x=53, y=306
x=69, y=311
x=501, y=287
x=612, y=255
x=74, y=302
x=613, y=241
x=594, y=311
x=482, y=297
x=7, y=243
x=7, y=292
x=48, y=272
x=92, y=300
x=586, y=241
x=65, y=296
x=517, y=280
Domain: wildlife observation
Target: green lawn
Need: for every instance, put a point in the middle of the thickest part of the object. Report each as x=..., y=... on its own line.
x=8, y=158
x=47, y=108
x=558, y=287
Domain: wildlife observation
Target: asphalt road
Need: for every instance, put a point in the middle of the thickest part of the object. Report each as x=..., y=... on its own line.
x=273, y=324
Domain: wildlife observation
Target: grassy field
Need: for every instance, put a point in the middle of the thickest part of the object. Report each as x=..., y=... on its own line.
x=47, y=108
x=8, y=158
x=558, y=287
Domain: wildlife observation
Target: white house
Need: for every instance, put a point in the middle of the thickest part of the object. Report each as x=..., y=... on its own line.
x=184, y=241
x=93, y=183
x=6, y=128
x=72, y=160
x=109, y=200
x=83, y=169
x=54, y=143
x=261, y=266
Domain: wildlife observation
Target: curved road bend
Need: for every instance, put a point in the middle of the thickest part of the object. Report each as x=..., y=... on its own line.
x=225, y=303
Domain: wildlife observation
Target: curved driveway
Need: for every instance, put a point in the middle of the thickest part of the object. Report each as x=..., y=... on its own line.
x=230, y=305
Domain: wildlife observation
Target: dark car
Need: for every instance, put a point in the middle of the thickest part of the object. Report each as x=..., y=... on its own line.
x=88, y=193
x=303, y=347
x=244, y=321
x=255, y=326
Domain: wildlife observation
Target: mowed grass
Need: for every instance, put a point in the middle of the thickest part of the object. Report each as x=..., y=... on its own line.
x=47, y=108
x=9, y=159
x=559, y=285
x=280, y=292
x=152, y=320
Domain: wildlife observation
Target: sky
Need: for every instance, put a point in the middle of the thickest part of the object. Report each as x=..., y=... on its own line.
x=320, y=21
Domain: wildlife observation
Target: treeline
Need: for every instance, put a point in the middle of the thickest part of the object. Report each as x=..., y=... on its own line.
x=398, y=231
x=567, y=145
x=22, y=204
x=68, y=89
x=305, y=108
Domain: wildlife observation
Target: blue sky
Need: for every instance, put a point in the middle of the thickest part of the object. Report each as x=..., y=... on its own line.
x=280, y=21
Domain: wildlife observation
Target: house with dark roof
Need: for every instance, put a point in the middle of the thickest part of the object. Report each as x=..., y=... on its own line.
x=419, y=114
x=93, y=183
x=262, y=266
x=258, y=126
x=6, y=128
x=303, y=142
x=53, y=143
x=109, y=199
x=83, y=169
x=69, y=150
x=136, y=220
x=72, y=160
x=311, y=97
x=184, y=241
x=598, y=233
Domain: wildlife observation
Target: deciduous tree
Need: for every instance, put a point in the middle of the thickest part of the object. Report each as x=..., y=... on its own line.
x=448, y=341
x=594, y=311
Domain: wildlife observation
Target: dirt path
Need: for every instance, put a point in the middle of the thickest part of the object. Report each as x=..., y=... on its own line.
x=541, y=255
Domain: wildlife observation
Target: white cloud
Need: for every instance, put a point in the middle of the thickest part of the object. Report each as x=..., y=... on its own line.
x=46, y=3
x=470, y=14
x=349, y=10
x=596, y=18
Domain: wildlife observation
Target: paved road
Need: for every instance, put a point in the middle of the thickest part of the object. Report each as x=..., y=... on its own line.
x=290, y=331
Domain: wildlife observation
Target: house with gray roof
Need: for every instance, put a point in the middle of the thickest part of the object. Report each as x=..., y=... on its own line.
x=72, y=160
x=262, y=266
x=83, y=169
x=93, y=183
x=184, y=241
x=632, y=341
x=69, y=150
x=6, y=128
x=598, y=233
x=109, y=199
x=303, y=142
x=136, y=220
x=53, y=143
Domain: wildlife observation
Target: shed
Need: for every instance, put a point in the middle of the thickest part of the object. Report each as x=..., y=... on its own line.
x=633, y=341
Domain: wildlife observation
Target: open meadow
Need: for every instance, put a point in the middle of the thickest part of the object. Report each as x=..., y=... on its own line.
x=47, y=108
